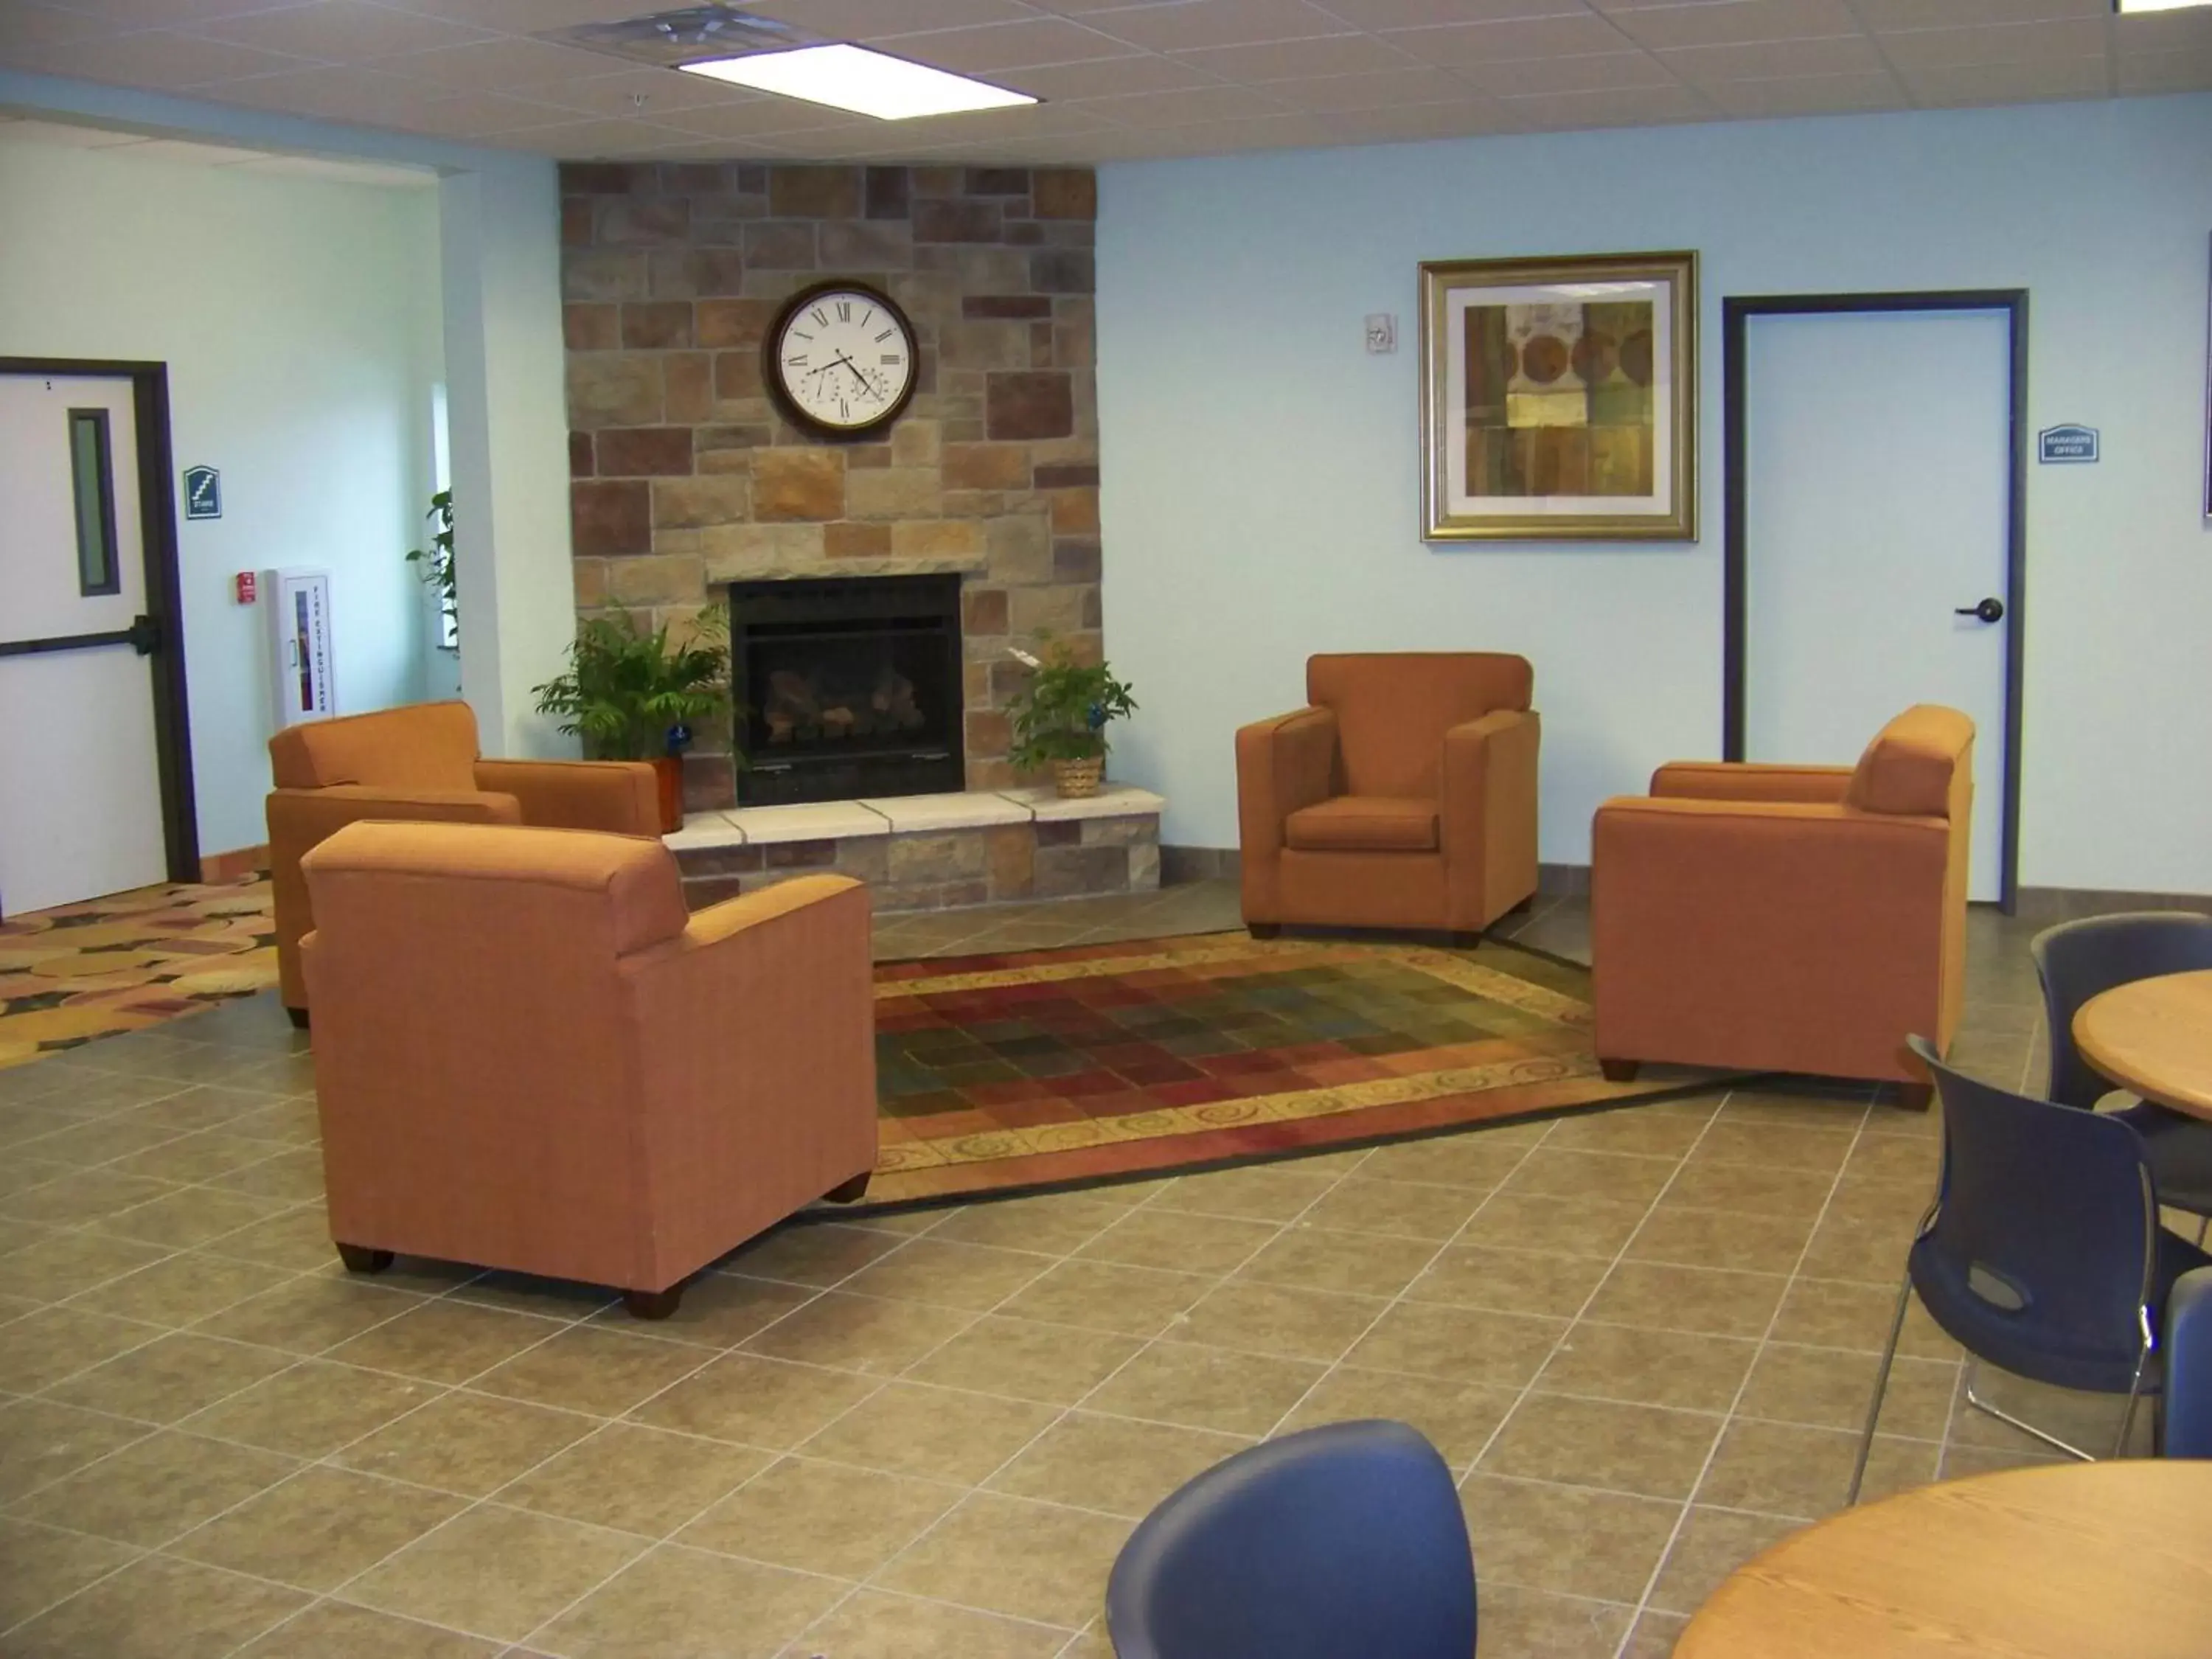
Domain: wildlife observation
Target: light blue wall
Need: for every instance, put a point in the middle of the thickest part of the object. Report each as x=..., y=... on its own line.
x=1260, y=472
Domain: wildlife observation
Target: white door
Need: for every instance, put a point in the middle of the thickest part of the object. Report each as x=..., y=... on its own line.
x=1876, y=477
x=80, y=788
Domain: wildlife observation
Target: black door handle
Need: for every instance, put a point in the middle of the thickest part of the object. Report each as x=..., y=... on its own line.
x=145, y=635
x=1989, y=611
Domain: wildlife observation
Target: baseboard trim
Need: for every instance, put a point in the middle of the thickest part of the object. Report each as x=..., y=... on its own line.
x=2048, y=905
x=1562, y=880
x=230, y=867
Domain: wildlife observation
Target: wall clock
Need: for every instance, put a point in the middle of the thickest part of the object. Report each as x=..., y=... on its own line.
x=840, y=361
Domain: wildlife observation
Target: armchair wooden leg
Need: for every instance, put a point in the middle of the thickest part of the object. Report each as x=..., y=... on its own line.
x=1463, y=940
x=359, y=1259
x=1619, y=1071
x=653, y=1304
x=298, y=1019
x=1264, y=929
x=849, y=1192
x=1916, y=1096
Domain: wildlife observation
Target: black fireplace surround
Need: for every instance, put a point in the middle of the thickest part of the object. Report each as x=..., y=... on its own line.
x=847, y=687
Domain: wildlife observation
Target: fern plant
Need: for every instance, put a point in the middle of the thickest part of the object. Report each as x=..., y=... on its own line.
x=631, y=693
x=1062, y=714
x=437, y=566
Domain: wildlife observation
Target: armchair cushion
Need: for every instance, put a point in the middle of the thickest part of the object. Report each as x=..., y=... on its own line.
x=430, y=745
x=1912, y=763
x=1363, y=823
x=1393, y=709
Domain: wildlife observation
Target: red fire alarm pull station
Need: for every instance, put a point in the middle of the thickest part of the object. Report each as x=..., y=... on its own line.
x=244, y=581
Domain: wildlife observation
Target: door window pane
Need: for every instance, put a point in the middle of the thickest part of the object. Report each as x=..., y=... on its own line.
x=94, y=479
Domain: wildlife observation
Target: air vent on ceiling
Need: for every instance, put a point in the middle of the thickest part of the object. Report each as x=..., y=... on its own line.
x=671, y=37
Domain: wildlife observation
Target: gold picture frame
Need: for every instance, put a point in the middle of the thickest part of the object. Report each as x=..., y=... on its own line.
x=1560, y=398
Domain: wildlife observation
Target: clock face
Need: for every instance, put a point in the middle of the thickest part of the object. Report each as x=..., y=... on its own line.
x=842, y=358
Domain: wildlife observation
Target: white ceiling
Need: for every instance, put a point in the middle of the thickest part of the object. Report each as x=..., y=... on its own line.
x=16, y=129
x=1120, y=80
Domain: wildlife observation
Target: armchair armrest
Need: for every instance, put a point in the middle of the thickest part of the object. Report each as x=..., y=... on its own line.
x=1750, y=780
x=1489, y=814
x=1283, y=764
x=620, y=797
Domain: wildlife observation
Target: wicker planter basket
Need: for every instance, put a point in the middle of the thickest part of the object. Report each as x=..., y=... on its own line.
x=1078, y=779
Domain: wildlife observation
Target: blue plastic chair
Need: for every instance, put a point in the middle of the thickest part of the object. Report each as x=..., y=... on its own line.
x=2078, y=960
x=2042, y=1254
x=1340, y=1542
x=2187, y=1431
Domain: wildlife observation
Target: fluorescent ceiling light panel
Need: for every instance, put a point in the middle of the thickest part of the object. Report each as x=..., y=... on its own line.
x=854, y=78
x=2159, y=5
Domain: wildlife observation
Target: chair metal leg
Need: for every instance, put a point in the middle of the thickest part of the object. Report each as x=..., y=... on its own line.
x=2134, y=1385
x=1881, y=1388
x=2022, y=1423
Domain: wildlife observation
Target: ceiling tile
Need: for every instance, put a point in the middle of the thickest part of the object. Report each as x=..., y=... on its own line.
x=589, y=140
x=1185, y=25
x=521, y=16
x=1879, y=14
x=2164, y=31
x=1595, y=72
x=1171, y=109
x=865, y=19
x=27, y=25
x=335, y=93
x=493, y=113
x=496, y=65
x=1726, y=22
x=2010, y=43
x=613, y=97
x=1809, y=94
x=1416, y=14
x=1391, y=88
x=1107, y=77
x=340, y=31
x=1630, y=107
x=154, y=58
x=2166, y=72
x=1262, y=132
x=1850, y=54
x=1006, y=45
x=1568, y=34
x=1416, y=122
x=756, y=118
x=1293, y=60
x=2006, y=83
x=167, y=14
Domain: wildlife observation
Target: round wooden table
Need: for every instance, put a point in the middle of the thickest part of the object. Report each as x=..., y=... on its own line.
x=2077, y=1561
x=2153, y=1036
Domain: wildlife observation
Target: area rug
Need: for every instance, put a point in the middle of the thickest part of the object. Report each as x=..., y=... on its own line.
x=1051, y=1068
x=131, y=960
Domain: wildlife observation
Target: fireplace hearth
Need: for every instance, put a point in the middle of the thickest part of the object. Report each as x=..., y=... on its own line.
x=851, y=687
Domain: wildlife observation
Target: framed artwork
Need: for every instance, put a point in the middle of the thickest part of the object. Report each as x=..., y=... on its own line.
x=1560, y=398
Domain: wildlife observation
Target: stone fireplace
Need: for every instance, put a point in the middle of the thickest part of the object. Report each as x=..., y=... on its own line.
x=850, y=688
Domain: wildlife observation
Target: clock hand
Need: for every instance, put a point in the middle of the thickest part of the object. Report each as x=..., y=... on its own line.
x=866, y=385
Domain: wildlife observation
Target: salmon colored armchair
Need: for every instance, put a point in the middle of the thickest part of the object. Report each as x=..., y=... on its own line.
x=1788, y=918
x=1403, y=796
x=420, y=762
x=527, y=1055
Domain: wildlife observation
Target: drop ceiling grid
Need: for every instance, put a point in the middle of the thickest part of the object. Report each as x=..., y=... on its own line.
x=1120, y=80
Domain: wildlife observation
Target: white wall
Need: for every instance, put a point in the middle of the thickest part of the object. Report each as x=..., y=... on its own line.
x=298, y=318
x=1260, y=472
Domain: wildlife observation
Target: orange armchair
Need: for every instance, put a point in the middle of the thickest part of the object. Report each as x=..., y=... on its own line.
x=1788, y=918
x=420, y=762
x=527, y=1056
x=1403, y=795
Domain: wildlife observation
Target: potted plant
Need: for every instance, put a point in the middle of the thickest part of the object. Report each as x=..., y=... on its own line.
x=1060, y=718
x=634, y=693
x=437, y=563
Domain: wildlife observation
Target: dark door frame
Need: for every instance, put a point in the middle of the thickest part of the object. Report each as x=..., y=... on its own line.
x=1736, y=311
x=157, y=532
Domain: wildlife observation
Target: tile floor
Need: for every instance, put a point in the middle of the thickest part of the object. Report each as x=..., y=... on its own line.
x=1642, y=1337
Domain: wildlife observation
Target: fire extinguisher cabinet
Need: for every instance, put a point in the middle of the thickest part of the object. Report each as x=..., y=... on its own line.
x=298, y=605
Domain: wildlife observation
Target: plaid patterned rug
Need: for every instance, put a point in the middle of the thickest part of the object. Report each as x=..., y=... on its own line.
x=1158, y=1055
x=133, y=959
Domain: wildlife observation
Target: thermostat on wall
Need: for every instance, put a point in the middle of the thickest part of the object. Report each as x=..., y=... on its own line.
x=1381, y=332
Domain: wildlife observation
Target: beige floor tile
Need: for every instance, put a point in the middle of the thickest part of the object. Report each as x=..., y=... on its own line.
x=1653, y=1451
x=84, y=1144
x=1750, y=1190
x=1650, y=1368
x=531, y=1293
x=445, y=1341
x=182, y=1288
x=1693, y=1237
x=65, y=1264
x=760, y=1402
x=205, y=1155
x=1910, y=1160
x=1527, y=1221
x=814, y=1517
x=1499, y=1350
x=209, y=1106
x=1480, y=1159
x=1024, y=1360
x=1102, y=1297
x=495, y=1572
x=1361, y=1264
x=678, y=1600
x=586, y=1369
x=1806, y=1108
x=1262, y=1192
x=24, y=1176
x=1050, y=1225
x=2091, y=1421
x=41, y=1565
x=1896, y=1204
x=169, y=1378
x=1570, y=1541
x=40, y=1442
x=1113, y=1464
x=1653, y=1636
x=156, y=1609
x=193, y=1216
x=1458, y=1417
x=1278, y=1320
x=1962, y=1463
x=1713, y=1543
x=294, y=1175
x=1870, y=1252
x=1708, y=1301
x=1510, y=1281
x=319, y=1528
x=1525, y=1624
x=312, y=1409
x=298, y=1238
x=1633, y=1129
x=465, y=1443
x=1830, y=1389
x=1004, y=1555
x=938, y=1434
x=1203, y=1388
x=1603, y=1177
x=1781, y=1468
x=333, y=1630
x=869, y=1335
x=1775, y=1147
x=719, y=1311
x=1402, y=1209
x=1177, y=1242
x=976, y=1277
x=876, y=1625
x=635, y=1480
x=149, y=1492
x=45, y=1346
